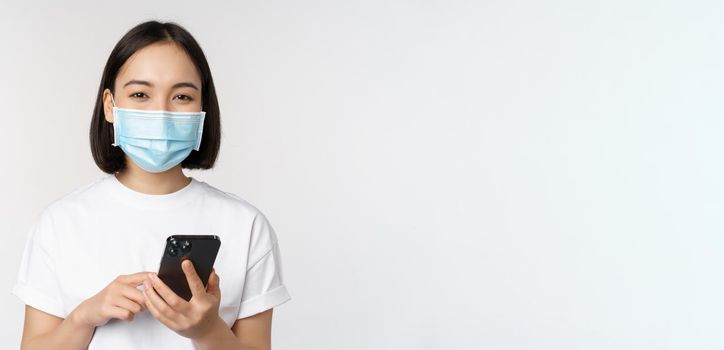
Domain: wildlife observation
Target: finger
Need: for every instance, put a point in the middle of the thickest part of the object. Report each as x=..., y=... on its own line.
x=121, y=313
x=128, y=304
x=156, y=313
x=154, y=300
x=213, y=286
x=134, y=294
x=135, y=279
x=169, y=296
x=195, y=284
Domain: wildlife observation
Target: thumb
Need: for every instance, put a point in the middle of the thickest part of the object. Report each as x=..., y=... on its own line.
x=213, y=286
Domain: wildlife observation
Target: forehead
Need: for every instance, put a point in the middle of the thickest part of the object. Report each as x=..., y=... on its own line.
x=162, y=64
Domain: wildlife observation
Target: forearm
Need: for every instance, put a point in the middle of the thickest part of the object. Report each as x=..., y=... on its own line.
x=221, y=338
x=69, y=335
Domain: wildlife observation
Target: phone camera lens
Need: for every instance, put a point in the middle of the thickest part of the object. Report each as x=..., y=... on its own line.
x=185, y=246
x=173, y=243
x=172, y=252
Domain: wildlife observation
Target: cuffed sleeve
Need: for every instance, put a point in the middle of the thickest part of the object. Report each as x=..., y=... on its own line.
x=264, y=284
x=36, y=283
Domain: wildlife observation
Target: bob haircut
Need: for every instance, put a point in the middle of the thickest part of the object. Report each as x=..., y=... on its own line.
x=111, y=159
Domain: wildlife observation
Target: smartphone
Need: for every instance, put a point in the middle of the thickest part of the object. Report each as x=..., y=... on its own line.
x=200, y=249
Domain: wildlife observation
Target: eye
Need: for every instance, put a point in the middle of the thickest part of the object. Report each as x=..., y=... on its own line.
x=138, y=95
x=184, y=97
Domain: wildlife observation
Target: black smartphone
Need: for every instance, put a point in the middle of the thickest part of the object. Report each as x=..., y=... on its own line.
x=200, y=249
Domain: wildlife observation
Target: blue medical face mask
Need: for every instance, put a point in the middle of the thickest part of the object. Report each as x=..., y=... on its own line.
x=156, y=140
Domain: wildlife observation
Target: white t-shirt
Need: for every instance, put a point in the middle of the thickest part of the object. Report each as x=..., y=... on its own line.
x=85, y=239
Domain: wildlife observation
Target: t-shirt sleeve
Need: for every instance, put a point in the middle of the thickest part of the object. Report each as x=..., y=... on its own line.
x=264, y=285
x=36, y=283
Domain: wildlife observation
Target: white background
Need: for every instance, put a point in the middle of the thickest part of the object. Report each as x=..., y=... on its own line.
x=441, y=174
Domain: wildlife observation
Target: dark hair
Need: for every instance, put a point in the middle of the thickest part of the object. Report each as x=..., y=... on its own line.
x=111, y=159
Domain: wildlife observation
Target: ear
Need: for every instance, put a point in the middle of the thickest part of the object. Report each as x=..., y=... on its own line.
x=108, y=105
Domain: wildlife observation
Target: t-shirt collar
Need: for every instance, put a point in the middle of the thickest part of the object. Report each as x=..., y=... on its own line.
x=150, y=201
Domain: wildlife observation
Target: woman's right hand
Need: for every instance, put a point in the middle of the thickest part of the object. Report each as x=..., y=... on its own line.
x=120, y=299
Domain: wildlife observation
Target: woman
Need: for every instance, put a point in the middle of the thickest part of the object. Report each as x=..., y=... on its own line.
x=88, y=271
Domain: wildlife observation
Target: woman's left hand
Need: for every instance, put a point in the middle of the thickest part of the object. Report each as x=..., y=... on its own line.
x=192, y=319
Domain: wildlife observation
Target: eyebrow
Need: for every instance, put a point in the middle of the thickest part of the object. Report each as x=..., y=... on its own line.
x=177, y=85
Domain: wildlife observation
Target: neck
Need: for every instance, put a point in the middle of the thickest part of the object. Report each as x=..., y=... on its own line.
x=146, y=182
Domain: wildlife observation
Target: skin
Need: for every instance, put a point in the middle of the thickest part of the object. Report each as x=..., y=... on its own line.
x=162, y=66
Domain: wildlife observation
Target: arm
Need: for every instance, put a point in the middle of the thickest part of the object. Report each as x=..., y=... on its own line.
x=250, y=333
x=45, y=331
x=120, y=299
x=255, y=331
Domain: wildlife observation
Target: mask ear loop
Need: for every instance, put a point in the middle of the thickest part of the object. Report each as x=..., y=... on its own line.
x=115, y=122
